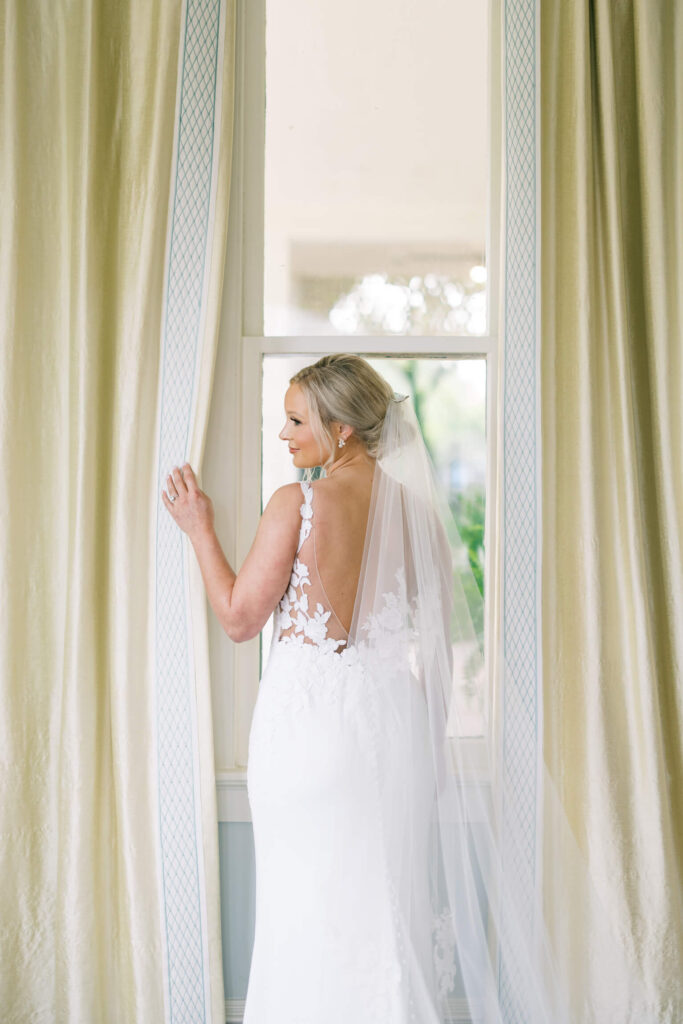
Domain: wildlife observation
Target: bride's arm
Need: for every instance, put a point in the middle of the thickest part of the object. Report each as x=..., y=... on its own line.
x=242, y=601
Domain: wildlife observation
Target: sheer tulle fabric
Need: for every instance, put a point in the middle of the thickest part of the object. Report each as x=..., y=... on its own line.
x=461, y=885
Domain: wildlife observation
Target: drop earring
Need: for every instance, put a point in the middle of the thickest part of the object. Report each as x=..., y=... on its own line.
x=342, y=442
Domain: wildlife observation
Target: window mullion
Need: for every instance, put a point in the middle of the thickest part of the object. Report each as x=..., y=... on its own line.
x=439, y=346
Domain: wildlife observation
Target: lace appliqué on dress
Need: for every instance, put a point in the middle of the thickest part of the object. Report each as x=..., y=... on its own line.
x=293, y=611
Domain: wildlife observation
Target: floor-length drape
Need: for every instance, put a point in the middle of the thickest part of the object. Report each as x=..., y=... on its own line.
x=612, y=413
x=98, y=184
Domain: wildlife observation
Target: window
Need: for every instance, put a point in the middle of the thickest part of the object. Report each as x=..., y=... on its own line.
x=449, y=395
x=367, y=212
x=375, y=190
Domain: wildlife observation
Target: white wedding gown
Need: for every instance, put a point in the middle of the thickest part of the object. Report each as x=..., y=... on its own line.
x=334, y=944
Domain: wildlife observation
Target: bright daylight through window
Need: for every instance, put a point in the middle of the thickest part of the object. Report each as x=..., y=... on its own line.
x=376, y=216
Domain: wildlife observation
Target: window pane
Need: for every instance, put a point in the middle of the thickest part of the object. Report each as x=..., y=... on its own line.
x=449, y=397
x=376, y=167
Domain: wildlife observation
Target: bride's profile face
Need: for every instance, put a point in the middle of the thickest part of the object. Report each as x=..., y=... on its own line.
x=297, y=432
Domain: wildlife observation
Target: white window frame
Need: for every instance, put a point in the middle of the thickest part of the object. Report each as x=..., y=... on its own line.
x=244, y=289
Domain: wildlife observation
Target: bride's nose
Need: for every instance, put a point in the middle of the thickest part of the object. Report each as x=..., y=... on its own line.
x=283, y=433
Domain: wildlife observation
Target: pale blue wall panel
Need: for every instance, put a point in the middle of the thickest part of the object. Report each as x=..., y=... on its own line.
x=237, y=872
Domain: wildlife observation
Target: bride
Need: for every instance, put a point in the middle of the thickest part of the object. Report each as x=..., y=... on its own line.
x=380, y=895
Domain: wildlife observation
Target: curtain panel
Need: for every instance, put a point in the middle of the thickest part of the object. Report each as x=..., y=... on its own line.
x=115, y=154
x=612, y=471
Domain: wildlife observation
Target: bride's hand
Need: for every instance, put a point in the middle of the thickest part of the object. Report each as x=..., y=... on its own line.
x=188, y=505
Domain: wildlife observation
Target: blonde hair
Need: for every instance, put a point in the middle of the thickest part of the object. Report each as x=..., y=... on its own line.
x=344, y=389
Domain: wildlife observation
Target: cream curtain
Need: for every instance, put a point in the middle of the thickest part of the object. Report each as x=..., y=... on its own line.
x=612, y=399
x=94, y=184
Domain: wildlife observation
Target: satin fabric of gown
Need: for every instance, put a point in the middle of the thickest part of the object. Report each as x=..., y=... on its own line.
x=332, y=944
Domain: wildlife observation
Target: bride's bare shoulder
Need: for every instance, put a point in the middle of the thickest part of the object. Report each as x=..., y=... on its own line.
x=285, y=499
x=281, y=513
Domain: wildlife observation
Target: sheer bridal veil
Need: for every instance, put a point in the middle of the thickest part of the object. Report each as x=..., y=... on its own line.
x=476, y=926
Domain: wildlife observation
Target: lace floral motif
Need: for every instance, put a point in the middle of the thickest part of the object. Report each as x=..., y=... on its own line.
x=293, y=610
x=444, y=952
x=387, y=633
x=306, y=511
x=304, y=678
x=392, y=617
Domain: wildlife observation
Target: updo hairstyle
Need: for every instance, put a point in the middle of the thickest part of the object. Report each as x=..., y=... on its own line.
x=344, y=389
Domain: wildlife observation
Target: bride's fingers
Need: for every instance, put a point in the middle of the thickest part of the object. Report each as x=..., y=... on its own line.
x=178, y=481
x=189, y=477
x=170, y=486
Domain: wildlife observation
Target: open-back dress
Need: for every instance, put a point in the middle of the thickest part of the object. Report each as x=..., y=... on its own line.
x=333, y=942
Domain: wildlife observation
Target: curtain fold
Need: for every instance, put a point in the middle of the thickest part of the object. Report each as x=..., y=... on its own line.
x=89, y=175
x=612, y=397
